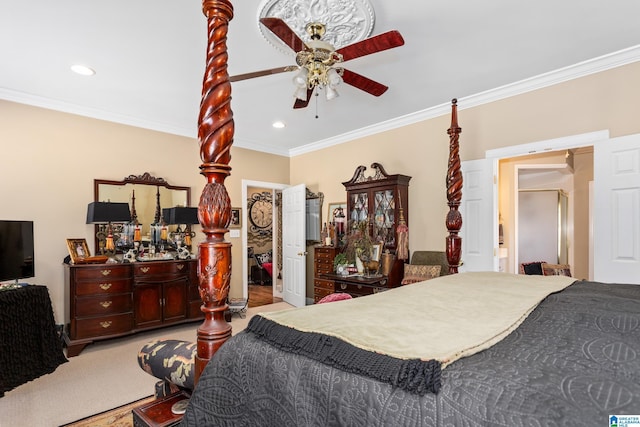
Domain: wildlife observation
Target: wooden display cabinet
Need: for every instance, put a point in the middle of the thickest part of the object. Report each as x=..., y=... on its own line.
x=379, y=199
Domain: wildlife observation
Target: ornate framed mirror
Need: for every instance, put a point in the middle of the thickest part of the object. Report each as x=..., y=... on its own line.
x=146, y=195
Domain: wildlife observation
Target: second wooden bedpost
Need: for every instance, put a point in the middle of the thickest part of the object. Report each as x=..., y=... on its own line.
x=215, y=134
x=454, y=192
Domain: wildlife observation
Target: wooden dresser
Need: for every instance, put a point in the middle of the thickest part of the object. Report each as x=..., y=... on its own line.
x=322, y=264
x=110, y=300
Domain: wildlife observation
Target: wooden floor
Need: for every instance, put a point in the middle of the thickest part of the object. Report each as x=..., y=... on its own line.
x=261, y=295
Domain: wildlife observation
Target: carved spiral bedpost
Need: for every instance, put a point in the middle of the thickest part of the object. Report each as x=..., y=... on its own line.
x=215, y=133
x=454, y=192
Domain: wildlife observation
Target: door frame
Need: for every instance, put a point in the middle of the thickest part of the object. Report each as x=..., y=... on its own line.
x=555, y=144
x=273, y=186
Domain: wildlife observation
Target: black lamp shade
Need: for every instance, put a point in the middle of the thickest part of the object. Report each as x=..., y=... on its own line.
x=180, y=215
x=105, y=212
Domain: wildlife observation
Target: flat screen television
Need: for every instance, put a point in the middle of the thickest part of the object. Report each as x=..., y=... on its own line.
x=16, y=250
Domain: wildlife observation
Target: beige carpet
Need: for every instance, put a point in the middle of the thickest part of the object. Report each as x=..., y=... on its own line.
x=104, y=376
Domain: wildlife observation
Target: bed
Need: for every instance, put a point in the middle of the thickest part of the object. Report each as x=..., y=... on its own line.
x=568, y=355
x=561, y=366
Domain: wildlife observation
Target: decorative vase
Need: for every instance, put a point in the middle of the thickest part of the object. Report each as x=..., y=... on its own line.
x=388, y=259
x=359, y=265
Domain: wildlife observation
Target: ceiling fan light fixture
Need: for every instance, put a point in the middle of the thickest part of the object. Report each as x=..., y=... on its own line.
x=333, y=78
x=300, y=79
x=331, y=93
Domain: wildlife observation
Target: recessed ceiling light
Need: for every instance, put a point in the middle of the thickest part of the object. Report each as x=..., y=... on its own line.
x=82, y=70
x=278, y=124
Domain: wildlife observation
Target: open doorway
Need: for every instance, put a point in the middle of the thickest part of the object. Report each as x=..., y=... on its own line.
x=544, y=209
x=261, y=234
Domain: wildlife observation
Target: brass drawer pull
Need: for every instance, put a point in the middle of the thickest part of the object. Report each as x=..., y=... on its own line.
x=343, y=286
x=180, y=266
x=144, y=269
x=106, y=304
x=105, y=286
x=106, y=324
x=106, y=272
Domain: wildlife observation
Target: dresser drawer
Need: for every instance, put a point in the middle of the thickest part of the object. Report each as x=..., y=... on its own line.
x=105, y=325
x=152, y=268
x=103, y=286
x=103, y=272
x=324, y=284
x=324, y=253
x=324, y=268
x=103, y=305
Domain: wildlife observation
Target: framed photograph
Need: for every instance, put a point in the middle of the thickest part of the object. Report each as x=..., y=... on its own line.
x=376, y=251
x=333, y=210
x=236, y=218
x=78, y=250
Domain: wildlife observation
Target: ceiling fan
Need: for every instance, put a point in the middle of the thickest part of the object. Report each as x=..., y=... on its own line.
x=316, y=61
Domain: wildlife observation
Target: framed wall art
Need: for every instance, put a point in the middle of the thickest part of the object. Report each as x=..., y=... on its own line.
x=236, y=218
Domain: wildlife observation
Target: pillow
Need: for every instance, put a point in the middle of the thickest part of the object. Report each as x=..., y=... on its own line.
x=265, y=257
x=417, y=273
x=556, y=269
x=533, y=268
x=337, y=296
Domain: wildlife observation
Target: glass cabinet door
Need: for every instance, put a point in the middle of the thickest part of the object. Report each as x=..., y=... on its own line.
x=384, y=206
x=359, y=208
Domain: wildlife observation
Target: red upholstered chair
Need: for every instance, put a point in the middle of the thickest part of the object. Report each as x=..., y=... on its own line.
x=337, y=296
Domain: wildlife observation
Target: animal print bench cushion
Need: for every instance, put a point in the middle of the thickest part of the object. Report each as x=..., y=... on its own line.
x=172, y=361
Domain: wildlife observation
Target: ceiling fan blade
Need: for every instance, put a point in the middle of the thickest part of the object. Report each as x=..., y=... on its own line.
x=374, y=44
x=302, y=104
x=363, y=83
x=284, y=33
x=268, y=72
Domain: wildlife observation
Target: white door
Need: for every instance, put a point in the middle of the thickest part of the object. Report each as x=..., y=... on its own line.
x=294, y=264
x=616, y=216
x=479, y=230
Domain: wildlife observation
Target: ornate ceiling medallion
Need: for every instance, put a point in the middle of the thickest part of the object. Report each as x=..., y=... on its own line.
x=346, y=21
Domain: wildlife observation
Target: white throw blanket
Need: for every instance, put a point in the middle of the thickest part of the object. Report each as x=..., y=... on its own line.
x=442, y=319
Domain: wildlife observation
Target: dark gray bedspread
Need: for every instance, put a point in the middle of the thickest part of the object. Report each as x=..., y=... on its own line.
x=574, y=361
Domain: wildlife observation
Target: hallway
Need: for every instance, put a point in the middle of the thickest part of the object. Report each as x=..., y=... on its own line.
x=261, y=295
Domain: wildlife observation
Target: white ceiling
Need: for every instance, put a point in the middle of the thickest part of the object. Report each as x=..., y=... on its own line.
x=149, y=57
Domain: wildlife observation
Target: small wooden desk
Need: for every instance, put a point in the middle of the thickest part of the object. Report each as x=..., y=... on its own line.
x=357, y=286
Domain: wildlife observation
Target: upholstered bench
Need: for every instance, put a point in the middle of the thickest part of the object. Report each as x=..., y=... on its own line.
x=172, y=362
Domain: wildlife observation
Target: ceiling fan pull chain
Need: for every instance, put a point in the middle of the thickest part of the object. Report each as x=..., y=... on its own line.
x=316, y=95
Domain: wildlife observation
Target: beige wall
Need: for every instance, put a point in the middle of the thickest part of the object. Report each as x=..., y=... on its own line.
x=49, y=162
x=606, y=100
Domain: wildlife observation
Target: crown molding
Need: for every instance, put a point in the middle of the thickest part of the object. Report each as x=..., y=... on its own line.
x=572, y=72
x=582, y=69
x=94, y=113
